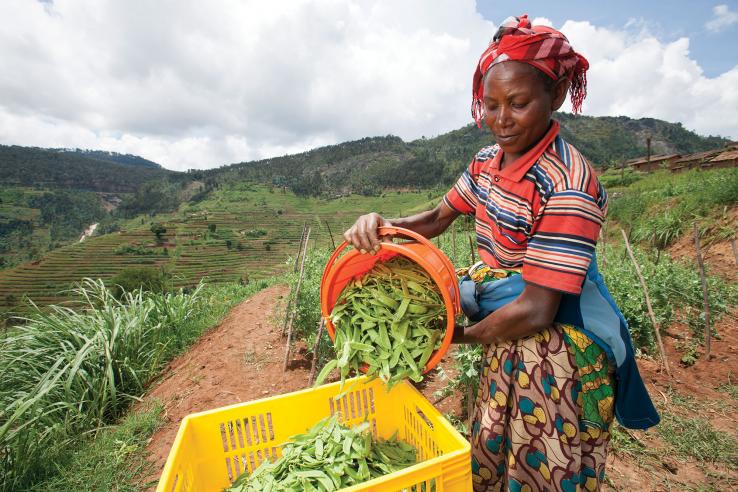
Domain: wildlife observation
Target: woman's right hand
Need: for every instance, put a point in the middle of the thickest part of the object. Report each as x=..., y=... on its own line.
x=363, y=234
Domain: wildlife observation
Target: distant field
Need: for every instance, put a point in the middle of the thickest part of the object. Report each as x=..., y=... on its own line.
x=255, y=231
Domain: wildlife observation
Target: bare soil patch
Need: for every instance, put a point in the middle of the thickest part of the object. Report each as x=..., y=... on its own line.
x=718, y=256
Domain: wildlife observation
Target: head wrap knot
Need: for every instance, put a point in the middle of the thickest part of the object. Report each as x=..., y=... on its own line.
x=543, y=47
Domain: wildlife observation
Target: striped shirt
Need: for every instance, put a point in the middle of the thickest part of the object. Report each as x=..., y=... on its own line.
x=542, y=213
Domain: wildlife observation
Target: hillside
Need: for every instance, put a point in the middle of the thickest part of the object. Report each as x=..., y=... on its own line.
x=241, y=231
x=114, y=157
x=371, y=165
x=75, y=170
x=48, y=197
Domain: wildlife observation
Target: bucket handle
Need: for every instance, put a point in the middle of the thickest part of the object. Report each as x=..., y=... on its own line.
x=387, y=231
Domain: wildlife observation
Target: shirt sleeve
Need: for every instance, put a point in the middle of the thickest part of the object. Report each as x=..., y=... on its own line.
x=463, y=196
x=563, y=241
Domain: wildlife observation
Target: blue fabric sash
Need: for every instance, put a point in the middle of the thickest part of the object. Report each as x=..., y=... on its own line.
x=596, y=314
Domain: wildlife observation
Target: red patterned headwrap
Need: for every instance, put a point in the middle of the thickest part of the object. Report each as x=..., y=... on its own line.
x=543, y=47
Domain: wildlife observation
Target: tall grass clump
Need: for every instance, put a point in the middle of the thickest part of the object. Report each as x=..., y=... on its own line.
x=669, y=203
x=307, y=315
x=66, y=372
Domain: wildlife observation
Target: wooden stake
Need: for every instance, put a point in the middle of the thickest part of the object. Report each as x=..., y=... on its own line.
x=705, y=298
x=287, y=311
x=330, y=234
x=315, y=351
x=648, y=303
x=297, y=303
x=453, y=241
x=471, y=250
x=469, y=409
x=299, y=247
x=735, y=251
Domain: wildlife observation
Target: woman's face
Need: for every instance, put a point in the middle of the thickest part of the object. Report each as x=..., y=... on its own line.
x=518, y=106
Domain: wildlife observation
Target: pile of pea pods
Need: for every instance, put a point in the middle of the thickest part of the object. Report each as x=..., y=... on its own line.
x=389, y=321
x=330, y=456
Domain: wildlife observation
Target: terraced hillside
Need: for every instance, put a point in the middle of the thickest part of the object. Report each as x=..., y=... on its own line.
x=242, y=231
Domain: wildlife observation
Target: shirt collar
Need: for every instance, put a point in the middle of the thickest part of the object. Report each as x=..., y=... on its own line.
x=517, y=170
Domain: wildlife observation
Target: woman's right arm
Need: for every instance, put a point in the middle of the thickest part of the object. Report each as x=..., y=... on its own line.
x=363, y=234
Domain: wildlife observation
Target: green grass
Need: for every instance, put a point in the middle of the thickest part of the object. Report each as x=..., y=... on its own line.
x=67, y=372
x=623, y=442
x=112, y=460
x=731, y=389
x=696, y=438
x=660, y=207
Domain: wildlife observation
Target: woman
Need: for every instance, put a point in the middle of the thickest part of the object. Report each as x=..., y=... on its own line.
x=559, y=361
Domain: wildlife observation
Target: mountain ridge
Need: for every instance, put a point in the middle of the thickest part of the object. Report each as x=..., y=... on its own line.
x=371, y=164
x=77, y=170
x=114, y=157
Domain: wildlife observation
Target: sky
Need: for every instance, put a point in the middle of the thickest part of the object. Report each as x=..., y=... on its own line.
x=193, y=84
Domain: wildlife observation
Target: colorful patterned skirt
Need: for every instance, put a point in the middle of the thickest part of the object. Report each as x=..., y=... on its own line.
x=543, y=414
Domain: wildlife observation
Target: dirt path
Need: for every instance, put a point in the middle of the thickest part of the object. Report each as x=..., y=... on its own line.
x=241, y=360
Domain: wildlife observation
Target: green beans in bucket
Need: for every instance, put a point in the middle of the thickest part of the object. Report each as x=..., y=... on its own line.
x=390, y=321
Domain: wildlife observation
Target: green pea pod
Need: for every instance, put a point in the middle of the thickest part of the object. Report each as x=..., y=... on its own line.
x=330, y=366
x=384, y=340
x=385, y=299
x=429, y=349
x=362, y=347
x=417, y=309
x=401, y=310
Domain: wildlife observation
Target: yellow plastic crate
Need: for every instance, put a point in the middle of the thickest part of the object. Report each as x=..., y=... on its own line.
x=213, y=448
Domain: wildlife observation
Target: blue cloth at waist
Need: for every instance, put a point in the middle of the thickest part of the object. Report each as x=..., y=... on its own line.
x=596, y=314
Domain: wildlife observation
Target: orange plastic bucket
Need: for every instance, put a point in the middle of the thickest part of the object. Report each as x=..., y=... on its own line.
x=339, y=272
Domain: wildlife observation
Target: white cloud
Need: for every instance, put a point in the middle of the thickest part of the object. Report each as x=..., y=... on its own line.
x=722, y=18
x=200, y=84
x=638, y=75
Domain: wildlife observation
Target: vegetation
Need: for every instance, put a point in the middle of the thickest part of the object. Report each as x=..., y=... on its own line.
x=367, y=167
x=607, y=141
x=695, y=437
x=66, y=214
x=659, y=207
x=113, y=458
x=674, y=289
x=67, y=372
x=49, y=168
x=152, y=280
x=153, y=197
x=390, y=321
x=114, y=157
x=355, y=456
x=246, y=217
